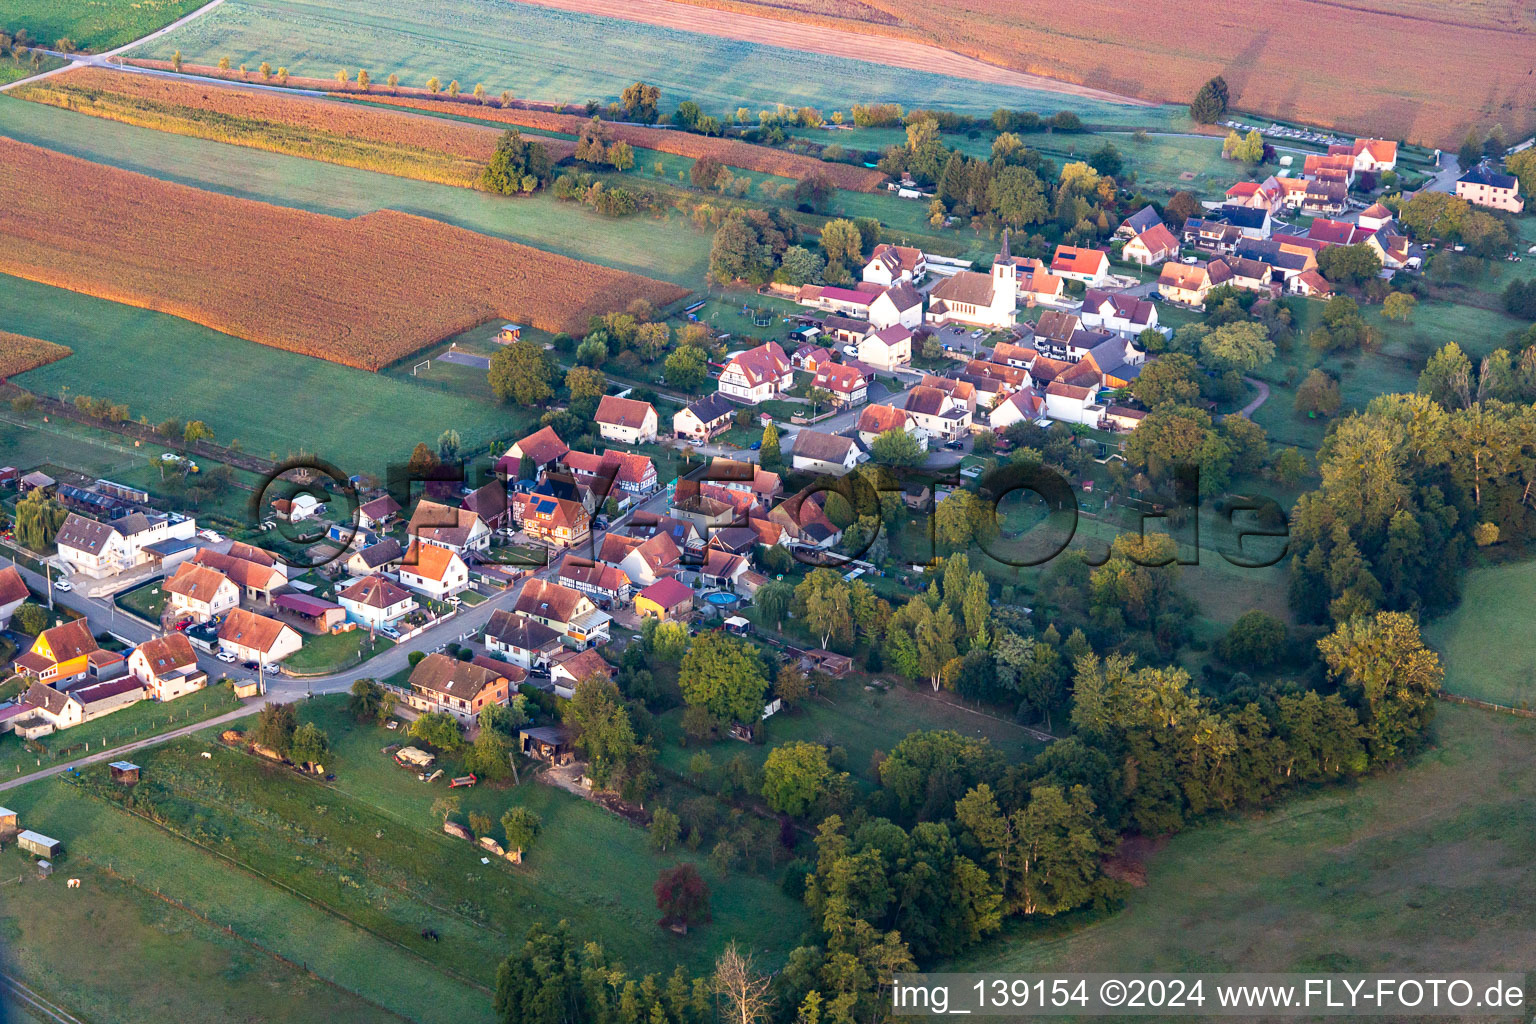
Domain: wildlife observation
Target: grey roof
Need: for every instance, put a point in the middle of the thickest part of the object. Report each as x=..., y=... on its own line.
x=1485, y=175
x=1267, y=250
x=382, y=553
x=519, y=631
x=1141, y=220
x=84, y=534
x=813, y=444
x=712, y=407
x=1244, y=216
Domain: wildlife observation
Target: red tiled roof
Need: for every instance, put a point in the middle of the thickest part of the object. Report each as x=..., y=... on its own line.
x=623, y=412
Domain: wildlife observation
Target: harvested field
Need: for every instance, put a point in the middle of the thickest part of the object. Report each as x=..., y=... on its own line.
x=429, y=149
x=362, y=292
x=733, y=152
x=19, y=353
x=1315, y=61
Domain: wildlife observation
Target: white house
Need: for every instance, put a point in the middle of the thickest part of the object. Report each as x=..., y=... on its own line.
x=167, y=666
x=1089, y=266
x=455, y=529
x=901, y=304
x=376, y=601
x=104, y=549
x=1153, y=246
x=980, y=300
x=200, y=592
x=1117, y=313
x=704, y=419
x=938, y=413
x=1023, y=406
x=846, y=384
x=1071, y=403
x=84, y=703
x=890, y=264
x=522, y=641
x=13, y=593
x=757, y=375
x=252, y=637
x=626, y=421
x=879, y=419
x=434, y=571
x=887, y=348
x=824, y=454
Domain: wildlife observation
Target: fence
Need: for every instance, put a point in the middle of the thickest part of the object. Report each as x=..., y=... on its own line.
x=1486, y=705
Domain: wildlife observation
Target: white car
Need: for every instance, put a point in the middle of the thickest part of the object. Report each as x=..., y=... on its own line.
x=63, y=585
x=170, y=457
x=225, y=657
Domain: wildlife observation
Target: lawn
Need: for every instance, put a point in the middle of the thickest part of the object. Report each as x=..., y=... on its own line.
x=147, y=601
x=1486, y=654
x=139, y=720
x=1421, y=869
x=665, y=248
x=547, y=54
x=274, y=403
x=161, y=962
x=95, y=26
x=331, y=652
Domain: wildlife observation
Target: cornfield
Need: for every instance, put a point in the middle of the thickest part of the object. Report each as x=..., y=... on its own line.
x=363, y=292
x=19, y=353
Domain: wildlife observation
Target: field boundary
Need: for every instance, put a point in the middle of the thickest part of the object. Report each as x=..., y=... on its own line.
x=1486, y=705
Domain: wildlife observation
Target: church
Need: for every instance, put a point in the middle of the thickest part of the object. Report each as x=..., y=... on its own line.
x=979, y=300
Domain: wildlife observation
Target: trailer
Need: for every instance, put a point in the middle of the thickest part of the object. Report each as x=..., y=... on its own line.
x=414, y=758
x=464, y=781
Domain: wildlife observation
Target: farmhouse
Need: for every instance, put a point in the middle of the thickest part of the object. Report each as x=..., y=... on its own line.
x=98, y=549
x=845, y=383
x=826, y=454
x=626, y=421
x=567, y=611
x=891, y=264
x=59, y=655
x=705, y=419
x=460, y=688
x=980, y=300
x=1089, y=266
x=13, y=593
x=524, y=642
x=886, y=348
x=84, y=703
x=1483, y=186
x=434, y=571
x=167, y=667
x=457, y=529
x=1152, y=246
x=757, y=375
x=376, y=601
x=667, y=599
x=252, y=637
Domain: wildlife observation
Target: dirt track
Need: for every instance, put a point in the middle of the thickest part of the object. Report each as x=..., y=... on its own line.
x=830, y=41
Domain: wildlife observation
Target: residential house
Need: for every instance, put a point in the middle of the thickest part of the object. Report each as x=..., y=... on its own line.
x=634, y=474
x=824, y=454
x=558, y=522
x=1038, y=286
x=1312, y=284
x=255, y=580
x=878, y=419
x=757, y=375
x=1053, y=334
x=1286, y=255
x=526, y=643
x=1252, y=275
x=605, y=582
x=376, y=602
x=980, y=300
x=252, y=637
x=1266, y=195
x=803, y=518
x=462, y=689
x=200, y=593
x=1072, y=404
x=1189, y=283
x=543, y=447
x=1010, y=354
x=457, y=529
x=892, y=264
x=1090, y=266
x=1118, y=417
x=1137, y=222
x=845, y=330
x=1212, y=234
x=1023, y=406
x=643, y=559
x=13, y=593
x=1338, y=168
x=167, y=667
x=99, y=549
x=845, y=383
x=1118, y=313
x=899, y=305
x=745, y=477
x=1115, y=362
x=886, y=348
x=378, y=514
x=1293, y=192
x=59, y=655
x=937, y=413
x=489, y=502
x=852, y=302
x=83, y=704
x=433, y=571
x=1368, y=155
x=1375, y=217
x=375, y=558
x=963, y=392
x=626, y=420
x=571, y=667
x=721, y=568
x=669, y=600
x=1394, y=250
x=567, y=611
x=810, y=357
x=1337, y=232
x=704, y=420
x=707, y=508
x=1325, y=197
x=1483, y=186
x=1153, y=246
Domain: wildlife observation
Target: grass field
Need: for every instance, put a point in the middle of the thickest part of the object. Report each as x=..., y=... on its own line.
x=100, y=25
x=547, y=54
x=162, y=963
x=1486, y=654
x=332, y=652
x=663, y=248
x=1421, y=869
x=271, y=401
x=147, y=601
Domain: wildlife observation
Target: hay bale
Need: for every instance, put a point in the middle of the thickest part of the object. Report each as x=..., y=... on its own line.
x=453, y=828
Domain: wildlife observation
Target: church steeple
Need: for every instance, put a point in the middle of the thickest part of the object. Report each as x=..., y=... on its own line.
x=1005, y=254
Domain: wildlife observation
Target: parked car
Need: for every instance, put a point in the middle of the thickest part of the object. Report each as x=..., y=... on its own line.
x=63, y=585
x=954, y=445
x=225, y=657
x=755, y=446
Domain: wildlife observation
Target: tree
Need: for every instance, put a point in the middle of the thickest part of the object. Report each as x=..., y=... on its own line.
x=1317, y=395
x=275, y=727
x=1180, y=207
x=585, y=382
x=449, y=445
x=310, y=744
x=773, y=600
x=771, y=455
x=31, y=619
x=434, y=86
x=1255, y=641
x=799, y=265
x=195, y=431
x=363, y=81
x=791, y=685
x=664, y=830
x=39, y=515
x=266, y=71
x=1447, y=377
x=1210, y=101
x=795, y=777
x=176, y=62
x=393, y=81
x=341, y=78
x=686, y=368
x=604, y=730
x=437, y=729
x=1383, y=660
x=705, y=172
x=490, y=756
x=1017, y=196
x=640, y=102
x=1399, y=306
x=1349, y=265
x=1243, y=346
x=282, y=76
x=521, y=827
x=223, y=63
x=841, y=241
x=1523, y=166
x=682, y=897
x=1181, y=435
x=366, y=700
x=896, y=447
x=515, y=161
x=521, y=372
x=453, y=88
x=744, y=991
x=1172, y=378
x=723, y=675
